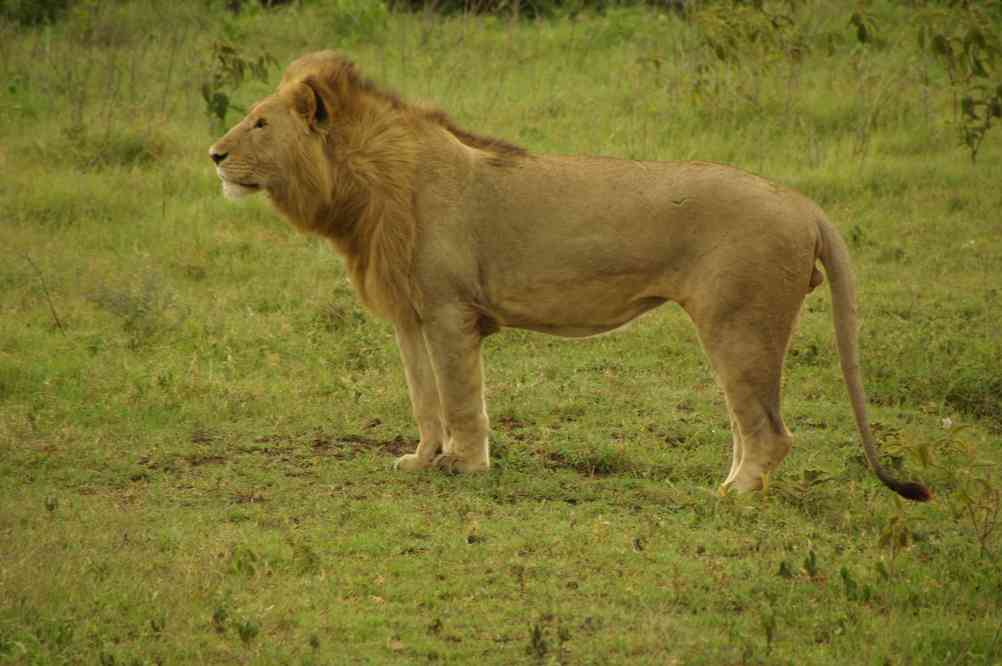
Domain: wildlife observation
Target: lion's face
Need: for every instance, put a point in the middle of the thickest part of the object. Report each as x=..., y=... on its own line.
x=257, y=153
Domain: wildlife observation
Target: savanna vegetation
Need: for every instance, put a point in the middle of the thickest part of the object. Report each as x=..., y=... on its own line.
x=197, y=421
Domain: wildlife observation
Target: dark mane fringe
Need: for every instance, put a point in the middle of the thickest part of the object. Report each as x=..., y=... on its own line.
x=499, y=147
x=486, y=143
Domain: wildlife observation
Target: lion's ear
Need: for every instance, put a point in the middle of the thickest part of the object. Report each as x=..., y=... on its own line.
x=311, y=106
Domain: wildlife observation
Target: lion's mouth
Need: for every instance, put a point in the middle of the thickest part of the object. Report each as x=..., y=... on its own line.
x=234, y=189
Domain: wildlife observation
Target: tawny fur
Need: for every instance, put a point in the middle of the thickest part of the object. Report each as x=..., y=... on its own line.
x=452, y=235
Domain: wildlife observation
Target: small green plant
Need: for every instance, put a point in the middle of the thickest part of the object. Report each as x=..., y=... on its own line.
x=850, y=585
x=785, y=570
x=811, y=565
x=247, y=630
x=356, y=20
x=538, y=647
x=33, y=12
x=976, y=500
x=228, y=68
x=979, y=504
x=735, y=33
x=146, y=309
x=731, y=30
x=864, y=24
x=48, y=296
x=220, y=617
x=972, y=483
x=897, y=535
x=966, y=40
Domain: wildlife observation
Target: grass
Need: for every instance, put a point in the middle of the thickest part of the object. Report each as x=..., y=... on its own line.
x=197, y=421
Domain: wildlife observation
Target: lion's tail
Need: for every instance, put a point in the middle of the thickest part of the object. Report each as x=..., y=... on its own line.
x=834, y=257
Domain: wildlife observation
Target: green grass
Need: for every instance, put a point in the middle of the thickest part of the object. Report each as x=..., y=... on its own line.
x=195, y=458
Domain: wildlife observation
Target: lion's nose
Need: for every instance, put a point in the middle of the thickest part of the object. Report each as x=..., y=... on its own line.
x=217, y=157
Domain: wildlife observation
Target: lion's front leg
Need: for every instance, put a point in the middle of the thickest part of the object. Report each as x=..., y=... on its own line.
x=424, y=398
x=453, y=342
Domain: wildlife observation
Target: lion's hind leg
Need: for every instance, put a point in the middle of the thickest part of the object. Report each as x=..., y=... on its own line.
x=765, y=442
x=745, y=337
x=761, y=439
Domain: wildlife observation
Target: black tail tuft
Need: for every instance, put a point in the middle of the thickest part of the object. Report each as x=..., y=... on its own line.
x=913, y=491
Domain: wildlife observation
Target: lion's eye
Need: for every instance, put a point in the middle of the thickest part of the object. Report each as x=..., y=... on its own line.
x=260, y=123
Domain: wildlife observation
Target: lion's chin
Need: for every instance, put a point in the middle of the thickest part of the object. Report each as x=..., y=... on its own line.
x=237, y=191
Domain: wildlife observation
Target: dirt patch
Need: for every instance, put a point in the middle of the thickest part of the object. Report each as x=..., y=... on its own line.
x=513, y=427
x=589, y=464
x=508, y=423
x=347, y=446
x=197, y=460
x=249, y=497
x=202, y=436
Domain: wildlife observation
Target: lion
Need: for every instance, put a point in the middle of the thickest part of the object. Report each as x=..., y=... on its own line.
x=452, y=236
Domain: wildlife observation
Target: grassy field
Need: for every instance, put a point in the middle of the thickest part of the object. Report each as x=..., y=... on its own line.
x=197, y=421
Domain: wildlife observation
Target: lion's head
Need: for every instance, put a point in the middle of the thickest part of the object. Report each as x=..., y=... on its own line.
x=281, y=146
x=332, y=154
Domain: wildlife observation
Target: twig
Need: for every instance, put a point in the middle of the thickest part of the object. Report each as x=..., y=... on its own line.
x=45, y=289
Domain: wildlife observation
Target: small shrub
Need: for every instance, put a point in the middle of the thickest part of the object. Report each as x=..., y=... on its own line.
x=33, y=12
x=967, y=42
x=117, y=147
x=227, y=69
x=356, y=20
x=734, y=31
x=248, y=630
x=146, y=309
x=531, y=9
x=976, y=497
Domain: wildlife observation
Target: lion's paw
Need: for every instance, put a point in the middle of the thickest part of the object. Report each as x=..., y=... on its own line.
x=454, y=464
x=411, y=463
x=741, y=484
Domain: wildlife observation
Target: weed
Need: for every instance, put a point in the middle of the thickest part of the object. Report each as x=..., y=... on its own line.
x=968, y=42
x=896, y=535
x=976, y=495
x=811, y=565
x=48, y=296
x=146, y=309
x=356, y=20
x=538, y=647
x=768, y=619
x=33, y=12
x=247, y=630
x=227, y=69
x=220, y=619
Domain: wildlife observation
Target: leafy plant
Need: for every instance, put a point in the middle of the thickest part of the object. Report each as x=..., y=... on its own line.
x=966, y=40
x=228, y=68
x=33, y=12
x=976, y=500
x=247, y=630
x=355, y=20
x=897, y=534
x=146, y=308
x=864, y=24
x=731, y=29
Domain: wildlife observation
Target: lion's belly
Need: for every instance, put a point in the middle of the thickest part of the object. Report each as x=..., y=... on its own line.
x=578, y=327
x=586, y=308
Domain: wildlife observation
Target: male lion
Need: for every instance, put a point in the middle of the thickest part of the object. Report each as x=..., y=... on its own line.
x=451, y=235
